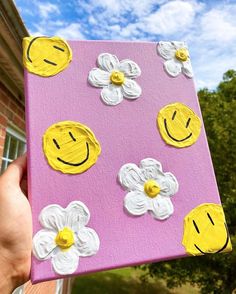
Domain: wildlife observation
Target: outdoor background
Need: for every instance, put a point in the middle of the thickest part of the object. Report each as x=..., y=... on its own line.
x=209, y=28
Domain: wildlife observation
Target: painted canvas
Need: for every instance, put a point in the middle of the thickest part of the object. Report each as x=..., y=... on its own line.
x=119, y=167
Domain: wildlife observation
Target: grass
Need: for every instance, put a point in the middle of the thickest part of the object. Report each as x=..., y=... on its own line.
x=124, y=281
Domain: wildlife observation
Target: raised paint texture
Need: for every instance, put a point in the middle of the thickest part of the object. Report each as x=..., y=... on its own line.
x=70, y=147
x=65, y=237
x=205, y=230
x=46, y=56
x=176, y=57
x=149, y=188
x=179, y=125
x=116, y=78
x=127, y=133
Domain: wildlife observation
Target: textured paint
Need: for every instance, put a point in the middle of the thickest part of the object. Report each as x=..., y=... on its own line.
x=65, y=237
x=116, y=78
x=176, y=57
x=45, y=56
x=127, y=133
x=149, y=188
x=70, y=147
x=205, y=230
x=179, y=125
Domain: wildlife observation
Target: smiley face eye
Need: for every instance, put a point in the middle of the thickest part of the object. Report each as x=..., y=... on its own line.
x=56, y=144
x=58, y=48
x=174, y=114
x=188, y=122
x=196, y=227
x=50, y=62
x=210, y=218
x=72, y=137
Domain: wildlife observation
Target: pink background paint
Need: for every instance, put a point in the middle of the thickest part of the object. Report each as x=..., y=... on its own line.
x=127, y=133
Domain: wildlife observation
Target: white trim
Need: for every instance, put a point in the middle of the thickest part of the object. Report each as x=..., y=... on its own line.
x=7, y=145
x=59, y=286
x=12, y=133
x=7, y=159
x=17, y=134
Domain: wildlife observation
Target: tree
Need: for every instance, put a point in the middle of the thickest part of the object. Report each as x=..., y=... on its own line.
x=214, y=273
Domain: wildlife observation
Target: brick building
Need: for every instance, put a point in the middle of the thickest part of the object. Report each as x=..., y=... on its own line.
x=12, y=110
x=12, y=119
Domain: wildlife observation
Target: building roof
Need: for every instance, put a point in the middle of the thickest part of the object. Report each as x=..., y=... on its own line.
x=12, y=30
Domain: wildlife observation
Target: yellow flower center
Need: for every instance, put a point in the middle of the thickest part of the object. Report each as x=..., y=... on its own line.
x=151, y=188
x=65, y=238
x=182, y=54
x=117, y=78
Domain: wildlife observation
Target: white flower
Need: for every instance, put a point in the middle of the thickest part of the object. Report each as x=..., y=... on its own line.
x=177, y=58
x=64, y=237
x=149, y=188
x=116, y=78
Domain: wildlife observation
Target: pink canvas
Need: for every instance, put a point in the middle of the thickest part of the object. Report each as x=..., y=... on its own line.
x=127, y=133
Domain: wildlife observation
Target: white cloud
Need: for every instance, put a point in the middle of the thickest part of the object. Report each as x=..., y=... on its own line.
x=219, y=24
x=212, y=43
x=131, y=31
x=92, y=20
x=211, y=74
x=117, y=8
x=47, y=10
x=138, y=19
x=171, y=18
x=71, y=32
x=209, y=28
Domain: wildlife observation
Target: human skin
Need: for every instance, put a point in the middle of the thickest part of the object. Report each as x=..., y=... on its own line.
x=15, y=227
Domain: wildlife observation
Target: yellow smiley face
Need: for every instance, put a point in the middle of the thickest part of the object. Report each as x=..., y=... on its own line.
x=45, y=56
x=205, y=230
x=179, y=125
x=70, y=147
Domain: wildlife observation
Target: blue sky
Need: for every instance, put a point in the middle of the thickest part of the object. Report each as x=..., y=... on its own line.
x=208, y=27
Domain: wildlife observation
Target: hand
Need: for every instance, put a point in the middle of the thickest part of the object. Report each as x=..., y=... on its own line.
x=15, y=227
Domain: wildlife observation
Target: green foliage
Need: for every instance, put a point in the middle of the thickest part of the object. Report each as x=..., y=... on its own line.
x=213, y=273
x=122, y=281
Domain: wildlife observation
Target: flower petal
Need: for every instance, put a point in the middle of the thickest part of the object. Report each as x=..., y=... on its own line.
x=187, y=69
x=52, y=217
x=169, y=185
x=112, y=95
x=151, y=168
x=130, y=177
x=108, y=62
x=136, y=203
x=77, y=215
x=129, y=68
x=66, y=262
x=162, y=208
x=87, y=242
x=166, y=49
x=179, y=44
x=131, y=89
x=44, y=244
x=173, y=67
x=99, y=78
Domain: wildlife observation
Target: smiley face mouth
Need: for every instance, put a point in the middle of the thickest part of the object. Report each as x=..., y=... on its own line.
x=28, y=49
x=177, y=140
x=222, y=248
x=79, y=163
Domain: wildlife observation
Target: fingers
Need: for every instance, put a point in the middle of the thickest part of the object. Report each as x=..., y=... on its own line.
x=16, y=170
